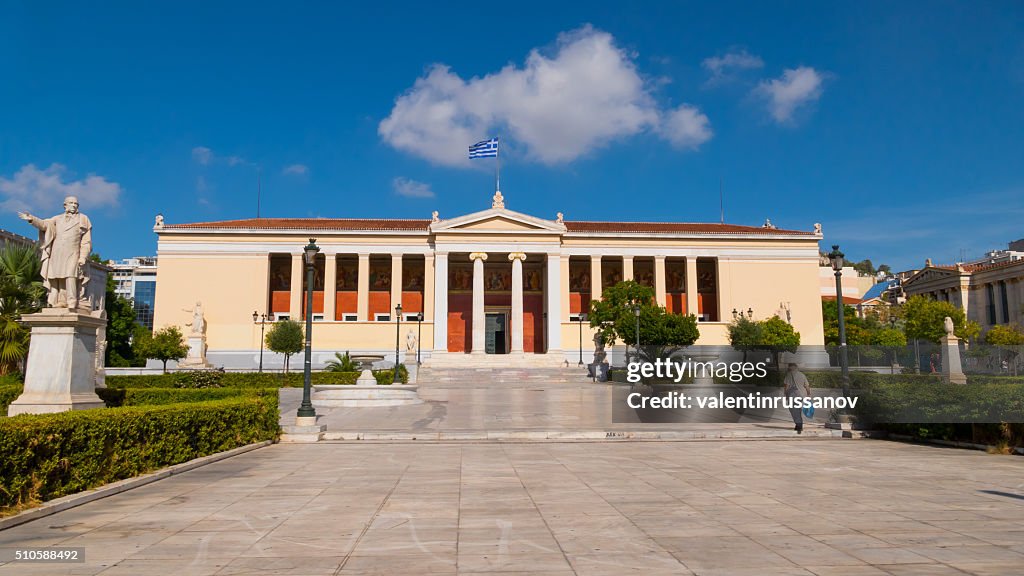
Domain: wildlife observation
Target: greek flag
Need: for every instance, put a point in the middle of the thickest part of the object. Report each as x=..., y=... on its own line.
x=484, y=149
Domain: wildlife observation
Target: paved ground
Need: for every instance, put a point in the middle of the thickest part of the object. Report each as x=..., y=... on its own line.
x=466, y=403
x=822, y=507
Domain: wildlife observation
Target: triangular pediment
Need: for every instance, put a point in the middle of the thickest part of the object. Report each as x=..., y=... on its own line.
x=498, y=220
x=929, y=274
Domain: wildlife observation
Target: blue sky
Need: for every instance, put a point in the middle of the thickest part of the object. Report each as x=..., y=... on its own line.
x=898, y=126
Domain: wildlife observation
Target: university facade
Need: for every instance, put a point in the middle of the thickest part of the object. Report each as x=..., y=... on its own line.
x=491, y=282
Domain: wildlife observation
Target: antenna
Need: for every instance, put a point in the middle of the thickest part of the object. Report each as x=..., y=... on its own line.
x=721, y=200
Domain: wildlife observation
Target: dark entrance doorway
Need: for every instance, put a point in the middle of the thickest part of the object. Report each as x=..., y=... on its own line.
x=496, y=330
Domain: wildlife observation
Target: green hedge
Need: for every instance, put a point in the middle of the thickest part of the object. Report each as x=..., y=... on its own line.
x=47, y=456
x=117, y=397
x=8, y=393
x=912, y=402
x=216, y=379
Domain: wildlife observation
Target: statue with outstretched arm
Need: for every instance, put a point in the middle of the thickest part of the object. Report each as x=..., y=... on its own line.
x=65, y=242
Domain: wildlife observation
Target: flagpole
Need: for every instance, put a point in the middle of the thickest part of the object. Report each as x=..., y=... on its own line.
x=497, y=165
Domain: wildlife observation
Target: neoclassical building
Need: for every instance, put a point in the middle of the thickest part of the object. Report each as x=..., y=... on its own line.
x=988, y=293
x=491, y=282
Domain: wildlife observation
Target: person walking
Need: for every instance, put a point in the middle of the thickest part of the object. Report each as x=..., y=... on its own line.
x=795, y=385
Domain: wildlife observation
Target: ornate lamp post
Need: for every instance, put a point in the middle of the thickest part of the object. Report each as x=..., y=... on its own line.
x=581, y=318
x=836, y=258
x=750, y=313
x=262, y=320
x=419, y=336
x=306, y=408
x=636, y=313
x=398, y=329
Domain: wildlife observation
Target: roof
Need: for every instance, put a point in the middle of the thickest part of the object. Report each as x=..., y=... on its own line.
x=384, y=224
x=876, y=290
x=846, y=300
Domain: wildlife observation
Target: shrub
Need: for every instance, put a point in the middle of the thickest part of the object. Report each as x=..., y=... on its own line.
x=200, y=379
x=251, y=379
x=47, y=456
x=8, y=393
x=117, y=397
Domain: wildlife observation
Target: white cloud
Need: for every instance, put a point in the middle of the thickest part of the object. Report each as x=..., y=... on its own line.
x=686, y=127
x=559, y=107
x=296, y=169
x=33, y=189
x=724, y=67
x=202, y=155
x=796, y=88
x=411, y=188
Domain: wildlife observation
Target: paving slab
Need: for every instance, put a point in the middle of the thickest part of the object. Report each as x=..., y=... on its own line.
x=752, y=507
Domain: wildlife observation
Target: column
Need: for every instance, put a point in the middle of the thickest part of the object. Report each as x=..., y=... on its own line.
x=595, y=277
x=691, y=285
x=554, y=302
x=659, y=281
x=330, y=287
x=428, y=288
x=627, y=267
x=396, y=280
x=517, y=301
x=363, y=289
x=440, y=316
x=479, y=325
x=564, y=288
x=295, y=288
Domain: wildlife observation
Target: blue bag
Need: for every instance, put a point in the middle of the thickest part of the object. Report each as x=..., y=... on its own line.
x=809, y=411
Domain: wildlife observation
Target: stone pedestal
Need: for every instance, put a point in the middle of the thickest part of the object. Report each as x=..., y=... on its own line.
x=196, y=353
x=952, y=371
x=61, y=365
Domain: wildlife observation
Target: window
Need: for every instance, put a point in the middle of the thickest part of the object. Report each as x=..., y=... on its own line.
x=349, y=317
x=378, y=317
x=1005, y=302
x=318, y=317
x=410, y=316
x=576, y=318
x=278, y=316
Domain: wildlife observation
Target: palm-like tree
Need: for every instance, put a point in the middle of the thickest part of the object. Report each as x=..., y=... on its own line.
x=21, y=292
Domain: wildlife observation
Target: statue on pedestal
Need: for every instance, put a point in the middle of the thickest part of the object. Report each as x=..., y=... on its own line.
x=196, y=357
x=65, y=241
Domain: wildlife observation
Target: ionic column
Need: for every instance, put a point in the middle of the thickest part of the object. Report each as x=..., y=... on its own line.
x=479, y=327
x=691, y=286
x=330, y=287
x=595, y=277
x=396, y=280
x=295, y=288
x=659, y=281
x=554, y=302
x=440, y=312
x=517, y=259
x=627, y=267
x=363, y=289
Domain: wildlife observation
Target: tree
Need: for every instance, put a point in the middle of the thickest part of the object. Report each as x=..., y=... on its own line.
x=744, y=334
x=285, y=337
x=21, y=292
x=1005, y=335
x=924, y=319
x=778, y=336
x=890, y=338
x=164, y=344
x=615, y=319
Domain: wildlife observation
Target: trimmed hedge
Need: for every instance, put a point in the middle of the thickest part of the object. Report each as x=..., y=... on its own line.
x=47, y=456
x=911, y=402
x=216, y=379
x=8, y=393
x=117, y=397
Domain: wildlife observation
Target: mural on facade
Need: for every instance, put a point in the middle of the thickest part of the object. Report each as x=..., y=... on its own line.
x=380, y=276
x=348, y=275
x=675, y=277
x=280, y=274
x=579, y=276
x=412, y=276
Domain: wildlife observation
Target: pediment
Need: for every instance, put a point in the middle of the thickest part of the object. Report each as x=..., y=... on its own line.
x=929, y=274
x=498, y=220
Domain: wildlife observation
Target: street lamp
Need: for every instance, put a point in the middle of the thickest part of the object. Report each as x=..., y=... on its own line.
x=581, y=318
x=398, y=328
x=262, y=319
x=306, y=408
x=836, y=258
x=636, y=313
x=419, y=336
x=750, y=313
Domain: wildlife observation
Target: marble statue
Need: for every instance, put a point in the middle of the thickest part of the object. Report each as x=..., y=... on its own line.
x=159, y=222
x=498, y=201
x=948, y=323
x=817, y=227
x=410, y=341
x=560, y=218
x=198, y=323
x=65, y=240
x=435, y=216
